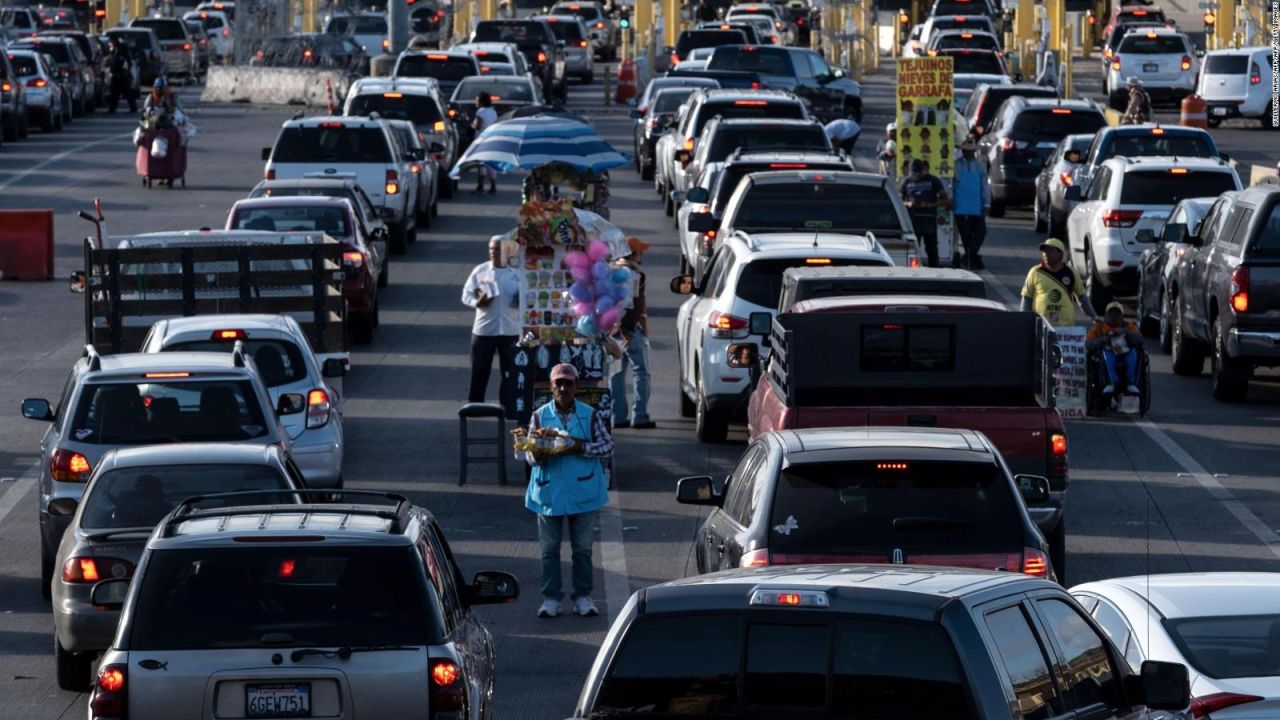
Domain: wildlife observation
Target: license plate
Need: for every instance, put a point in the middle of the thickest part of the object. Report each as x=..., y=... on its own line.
x=278, y=700
x=1219, y=111
x=1150, y=67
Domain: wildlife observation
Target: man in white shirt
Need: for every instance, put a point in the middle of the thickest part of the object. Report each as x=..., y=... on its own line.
x=493, y=289
x=484, y=117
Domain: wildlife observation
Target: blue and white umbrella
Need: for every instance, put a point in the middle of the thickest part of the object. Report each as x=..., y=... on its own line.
x=532, y=142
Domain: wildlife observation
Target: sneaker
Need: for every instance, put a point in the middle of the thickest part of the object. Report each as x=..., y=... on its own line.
x=644, y=424
x=1133, y=390
x=621, y=424
x=550, y=608
x=493, y=190
x=585, y=606
x=1109, y=389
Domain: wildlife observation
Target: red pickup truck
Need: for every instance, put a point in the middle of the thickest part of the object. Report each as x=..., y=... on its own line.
x=923, y=361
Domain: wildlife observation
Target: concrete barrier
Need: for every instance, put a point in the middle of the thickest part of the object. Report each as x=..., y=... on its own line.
x=275, y=86
x=26, y=244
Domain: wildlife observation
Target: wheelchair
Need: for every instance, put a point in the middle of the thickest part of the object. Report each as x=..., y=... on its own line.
x=1099, y=404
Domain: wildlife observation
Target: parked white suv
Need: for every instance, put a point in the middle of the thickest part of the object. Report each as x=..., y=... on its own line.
x=1125, y=196
x=743, y=277
x=1237, y=83
x=360, y=148
x=1162, y=58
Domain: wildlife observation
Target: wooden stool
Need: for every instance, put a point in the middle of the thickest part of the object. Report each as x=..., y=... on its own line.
x=499, y=442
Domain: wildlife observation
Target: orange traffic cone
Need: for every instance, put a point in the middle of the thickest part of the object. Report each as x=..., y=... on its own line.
x=626, y=82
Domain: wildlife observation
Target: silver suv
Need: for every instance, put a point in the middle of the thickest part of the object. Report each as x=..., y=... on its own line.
x=143, y=399
x=345, y=610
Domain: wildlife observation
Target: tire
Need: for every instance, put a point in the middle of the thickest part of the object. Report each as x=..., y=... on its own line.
x=710, y=426
x=1166, y=327
x=668, y=205
x=423, y=218
x=361, y=328
x=589, y=78
x=646, y=170
x=1265, y=120
x=384, y=277
x=1117, y=101
x=48, y=124
x=1098, y=295
x=1057, y=228
x=11, y=133
x=25, y=130
x=1188, y=355
x=448, y=187
x=46, y=573
x=398, y=238
x=1230, y=375
x=1215, y=122
x=996, y=210
x=1148, y=326
x=74, y=670
x=688, y=408
x=1041, y=224
x=1057, y=539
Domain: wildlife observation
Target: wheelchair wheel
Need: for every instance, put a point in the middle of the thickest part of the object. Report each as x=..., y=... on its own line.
x=1144, y=402
x=1092, y=386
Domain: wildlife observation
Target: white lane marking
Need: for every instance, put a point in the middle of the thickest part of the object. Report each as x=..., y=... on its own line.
x=14, y=495
x=1212, y=486
x=61, y=156
x=1001, y=290
x=613, y=557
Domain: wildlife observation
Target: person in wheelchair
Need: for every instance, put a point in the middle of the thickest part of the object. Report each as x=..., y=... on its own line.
x=1116, y=338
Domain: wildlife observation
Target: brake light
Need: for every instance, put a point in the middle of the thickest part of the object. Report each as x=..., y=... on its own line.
x=109, y=698
x=229, y=335
x=675, y=59
x=599, y=25
x=271, y=174
x=1157, y=131
x=437, y=57
x=331, y=125
x=453, y=113
x=789, y=166
x=393, y=95
x=1177, y=171
x=447, y=695
x=817, y=261
x=166, y=375
x=708, y=242
x=68, y=466
x=582, y=43
x=1066, y=179
x=1186, y=62
x=416, y=168
x=966, y=36
x=438, y=126
x=751, y=103
x=754, y=559
x=393, y=182
x=1035, y=563
x=386, y=44
x=542, y=57
x=87, y=570
x=1058, y=444
x=689, y=144
x=1240, y=289
x=1208, y=704
x=1120, y=218
x=186, y=47
x=318, y=407
x=287, y=568
x=755, y=85
x=5, y=86
x=723, y=325
x=1115, y=62
x=353, y=259
x=1060, y=111
x=37, y=82
x=1255, y=75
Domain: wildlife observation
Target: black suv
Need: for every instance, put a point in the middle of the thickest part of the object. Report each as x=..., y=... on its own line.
x=1023, y=134
x=986, y=100
x=538, y=42
x=827, y=91
x=1228, y=294
x=868, y=642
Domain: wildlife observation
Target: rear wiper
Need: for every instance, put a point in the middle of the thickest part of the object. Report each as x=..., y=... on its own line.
x=345, y=651
x=105, y=534
x=907, y=524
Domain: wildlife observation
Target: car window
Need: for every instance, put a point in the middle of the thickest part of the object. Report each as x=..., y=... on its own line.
x=1229, y=237
x=1098, y=184
x=441, y=67
x=522, y=33
x=331, y=220
x=748, y=108
x=418, y=109
x=1267, y=237
x=1239, y=646
x=721, y=267
x=964, y=61
x=141, y=496
x=1026, y=669
x=124, y=413
x=570, y=32
x=165, y=29
x=1057, y=122
x=669, y=100
x=764, y=137
x=675, y=665
x=279, y=362
x=766, y=61
x=741, y=484
x=518, y=91
x=817, y=205
x=440, y=574
x=1114, y=624
x=1226, y=64
x=1138, y=43
x=1160, y=187
x=339, y=144
x=787, y=665
x=362, y=25
x=1088, y=676
x=819, y=67
x=1148, y=145
x=760, y=281
x=24, y=65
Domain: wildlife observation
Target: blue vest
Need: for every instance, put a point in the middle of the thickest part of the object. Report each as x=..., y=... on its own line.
x=569, y=484
x=968, y=194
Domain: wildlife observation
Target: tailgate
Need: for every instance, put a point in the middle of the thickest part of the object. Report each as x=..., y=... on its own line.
x=1224, y=87
x=1264, y=294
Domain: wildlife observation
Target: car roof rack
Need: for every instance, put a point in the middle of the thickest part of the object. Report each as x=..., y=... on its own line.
x=188, y=509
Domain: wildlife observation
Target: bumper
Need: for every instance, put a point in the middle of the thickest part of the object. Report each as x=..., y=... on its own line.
x=1227, y=109
x=1123, y=279
x=319, y=455
x=39, y=100
x=52, y=528
x=577, y=64
x=724, y=388
x=1254, y=344
x=732, y=405
x=82, y=628
x=1048, y=516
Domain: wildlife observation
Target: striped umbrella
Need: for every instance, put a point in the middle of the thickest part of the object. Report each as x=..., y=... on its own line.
x=532, y=142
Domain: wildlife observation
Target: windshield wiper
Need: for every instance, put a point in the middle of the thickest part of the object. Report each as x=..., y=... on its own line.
x=908, y=524
x=105, y=534
x=345, y=651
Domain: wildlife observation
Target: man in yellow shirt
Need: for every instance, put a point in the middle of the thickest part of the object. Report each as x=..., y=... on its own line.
x=1052, y=289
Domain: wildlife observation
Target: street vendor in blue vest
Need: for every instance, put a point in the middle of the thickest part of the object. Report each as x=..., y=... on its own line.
x=566, y=488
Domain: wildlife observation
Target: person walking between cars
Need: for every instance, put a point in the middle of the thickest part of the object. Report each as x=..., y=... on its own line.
x=493, y=289
x=923, y=194
x=566, y=488
x=1116, y=338
x=485, y=116
x=1052, y=288
x=121, y=67
x=843, y=133
x=635, y=344
x=1138, y=110
x=971, y=199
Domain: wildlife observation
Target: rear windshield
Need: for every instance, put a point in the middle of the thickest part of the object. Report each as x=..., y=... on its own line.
x=424, y=19
x=330, y=145
x=491, y=56
x=168, y=411
x=24, y=65
x=498, y=91
x=142, y=496
x=570, y=32
x=442, y=67
x=363, y=25
x=729, y=178
x=1047, y=123
x=960, y=7
x=760, y=137
x=136, y=40
x=523, y=34
x=331, y=220
x=15, y=18
x=766, y=61
x=417, y=109
x=1226, y=64
x=668, y=101
x=280, y=362
x=1138, y=43
x=865, y=505
x=1137, y=16
x=972, y=23
x=586, y=12
x=1160, y=187
x=729, y=109
x=58, y=51
x=211, y=22
x=300, y=596
x=761, y=280
x=818, y=206
x=996, y=95
x=1240, y=646
x=985, y=42
x=702, y=665
x=164, y=29
x=975, y=62
x=1148, y=145
x=693, y=39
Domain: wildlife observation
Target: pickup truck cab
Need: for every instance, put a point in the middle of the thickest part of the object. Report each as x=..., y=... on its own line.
x=868, y=641
x=855, y=362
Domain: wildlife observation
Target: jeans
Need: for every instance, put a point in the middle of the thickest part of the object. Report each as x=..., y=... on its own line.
x=482, y=349
x=1130, y=366
x=637, y=356
x=550, y=536
x=928, y=234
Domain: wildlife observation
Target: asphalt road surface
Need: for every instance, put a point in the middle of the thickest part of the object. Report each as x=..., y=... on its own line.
x=1189, y=488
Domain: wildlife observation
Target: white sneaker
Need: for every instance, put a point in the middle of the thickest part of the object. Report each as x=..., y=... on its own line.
x=585, y=607
x=549, y=608
x=1133, y=390
x=1108, y=389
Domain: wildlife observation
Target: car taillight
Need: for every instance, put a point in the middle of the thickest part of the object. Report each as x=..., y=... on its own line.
x=1034, y=563
x=226, y=32
x=1115, y=62
x=690, y=144
x=186, y=47
x=90, y=570
x=755, y=85
x=37, y=82
x=1008, y=143
x=1255, y=75
x=109, y=698
x=599, y=25
x=542, y=57
x=582, y=43
x=708, y=242
x=754, y=559
x=270, y=174
x=448, y=697
x=1240, y=290
x=69, y=466
x=1057, y=465
x=675, y=59
x=723, y=325
x=1186, y=62
x=1058, y=444
x=353, y=259
x=318, y=407
x=1066, y=179
x=1120, y=218
x=6, y=86
x=393, y=182
x=1205, y=705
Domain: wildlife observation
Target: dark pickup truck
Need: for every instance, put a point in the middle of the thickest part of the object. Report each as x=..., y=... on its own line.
x=808, y=283
x=1227, y=301
x=731, y=79
x=922, y=362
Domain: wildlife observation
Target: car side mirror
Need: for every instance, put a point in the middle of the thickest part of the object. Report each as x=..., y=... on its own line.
x=678, y=196
x=1145, y=236
x=635, y=114
x=699, y=490
x=701, y=222
x=1175, y=233
x=1199, y=52
x=333, y=368
x=742, y=355
x=682, y=284
x=1072, y=157
x=633, y=101
x=266, y=154
x=683, y=157
x=1164, y=685
x=436, y=147
x=1074, y=194
x=490, y=587
x=760, y=323
x=697, y=195
x=77, y=282
x=1033, y=488
x=37, y=409
x=110, y=594
x=291, y=404
x=418, y=154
